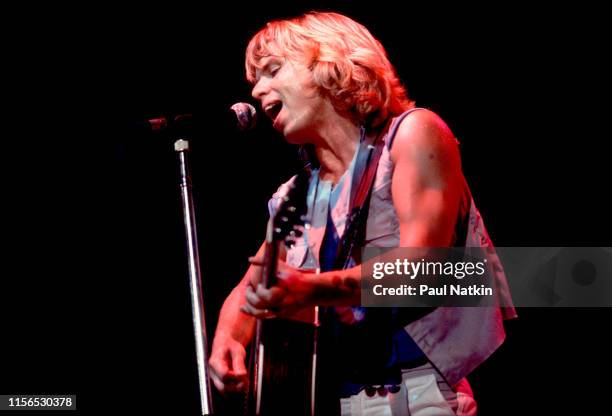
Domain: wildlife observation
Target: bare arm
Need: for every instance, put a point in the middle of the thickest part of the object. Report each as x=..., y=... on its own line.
x=427, y=181
x=234, y=331
x=232, y=321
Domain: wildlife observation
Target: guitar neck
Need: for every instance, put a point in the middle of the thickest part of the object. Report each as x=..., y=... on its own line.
x=271, y=252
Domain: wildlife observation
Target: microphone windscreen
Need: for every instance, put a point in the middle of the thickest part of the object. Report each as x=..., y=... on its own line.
x=246, y=116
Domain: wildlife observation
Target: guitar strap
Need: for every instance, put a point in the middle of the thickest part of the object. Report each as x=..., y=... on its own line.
x=366, y=165
x=368, y=156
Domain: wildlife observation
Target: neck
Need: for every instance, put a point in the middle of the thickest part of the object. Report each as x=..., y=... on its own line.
x=336, y=149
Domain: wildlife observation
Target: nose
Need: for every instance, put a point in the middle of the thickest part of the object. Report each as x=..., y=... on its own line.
x=260, y=89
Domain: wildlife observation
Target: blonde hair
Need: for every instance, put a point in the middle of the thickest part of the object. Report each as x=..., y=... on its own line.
x=346, y=61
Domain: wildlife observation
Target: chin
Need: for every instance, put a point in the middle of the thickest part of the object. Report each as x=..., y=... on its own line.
x=294, y=134
x=294, y=138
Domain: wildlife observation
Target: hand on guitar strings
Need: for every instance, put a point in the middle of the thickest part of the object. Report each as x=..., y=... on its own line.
x=228, y=371
x=294, y=290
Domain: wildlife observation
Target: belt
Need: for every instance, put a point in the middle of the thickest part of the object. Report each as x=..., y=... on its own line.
x=379, y=382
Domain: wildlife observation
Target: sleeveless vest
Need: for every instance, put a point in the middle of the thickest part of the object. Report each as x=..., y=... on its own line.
x=454, y=339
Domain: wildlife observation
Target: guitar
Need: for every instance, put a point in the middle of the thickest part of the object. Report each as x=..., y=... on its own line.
x=282, y=360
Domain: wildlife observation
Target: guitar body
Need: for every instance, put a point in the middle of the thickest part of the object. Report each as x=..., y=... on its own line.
x=282, y=376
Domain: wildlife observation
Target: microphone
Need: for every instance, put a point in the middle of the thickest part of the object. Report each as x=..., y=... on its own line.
x=246, y=116
x=240, y=116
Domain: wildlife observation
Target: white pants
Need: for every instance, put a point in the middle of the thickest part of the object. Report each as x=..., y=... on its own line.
x=423, y=392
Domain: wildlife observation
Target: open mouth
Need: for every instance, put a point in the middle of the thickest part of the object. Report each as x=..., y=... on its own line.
x=273, y=109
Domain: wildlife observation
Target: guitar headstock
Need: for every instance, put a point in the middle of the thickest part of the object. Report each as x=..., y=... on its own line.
x=290, y=217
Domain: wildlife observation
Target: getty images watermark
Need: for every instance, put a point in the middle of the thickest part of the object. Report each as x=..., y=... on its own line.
x=487, y=276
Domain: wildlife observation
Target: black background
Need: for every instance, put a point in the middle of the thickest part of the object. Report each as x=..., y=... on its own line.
x=95, y=296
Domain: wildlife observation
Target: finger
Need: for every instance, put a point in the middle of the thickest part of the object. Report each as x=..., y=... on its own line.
x=256, y=261
x=219, y=372
x=222, y=371
x=253, y=299
x=217, y=366
x=228, y=380
x=257, y=313
x=263, y=298
x=271, y=297
x=250, y=310
x=231, y=378
x=238, y=363
x=242, y=386
x=238, y=383
x=233, y=386
x=217, y=382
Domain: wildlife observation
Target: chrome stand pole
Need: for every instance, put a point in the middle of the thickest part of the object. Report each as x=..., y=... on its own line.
x=181, y=146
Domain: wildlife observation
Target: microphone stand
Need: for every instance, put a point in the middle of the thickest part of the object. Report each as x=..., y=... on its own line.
x=181, y=146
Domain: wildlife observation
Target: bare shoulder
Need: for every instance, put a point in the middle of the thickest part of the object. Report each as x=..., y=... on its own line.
x=423, y=130
x=424, y=140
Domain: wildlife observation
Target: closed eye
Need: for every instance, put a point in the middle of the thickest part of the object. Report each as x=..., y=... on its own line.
x=270, y=67
x=273, y=65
